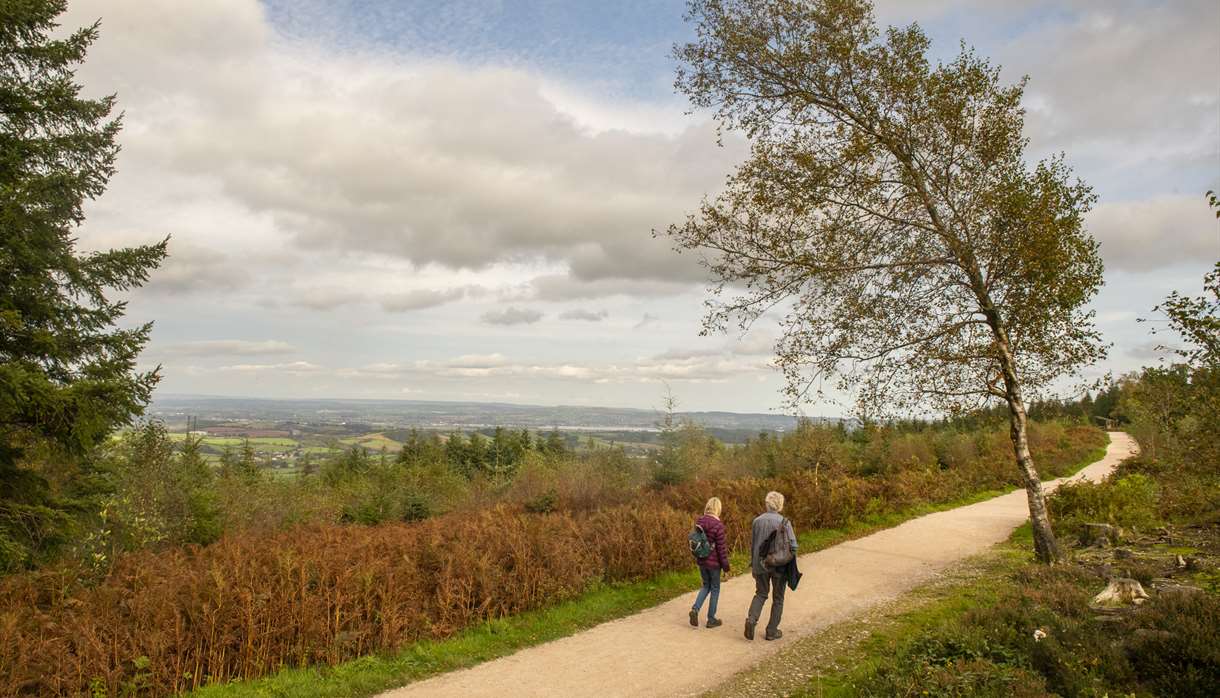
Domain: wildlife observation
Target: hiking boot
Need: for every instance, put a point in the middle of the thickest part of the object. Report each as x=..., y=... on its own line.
x=694, y=618
x=714, y=622
x=775, y=635
x=749, y=629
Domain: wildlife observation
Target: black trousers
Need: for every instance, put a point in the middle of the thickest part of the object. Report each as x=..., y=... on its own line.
x=777, y=585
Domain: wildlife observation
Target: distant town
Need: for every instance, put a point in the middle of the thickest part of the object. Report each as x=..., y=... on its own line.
x=285, y=434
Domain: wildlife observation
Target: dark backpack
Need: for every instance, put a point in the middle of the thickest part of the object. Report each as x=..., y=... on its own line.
x=778, y=548
x=700, y=546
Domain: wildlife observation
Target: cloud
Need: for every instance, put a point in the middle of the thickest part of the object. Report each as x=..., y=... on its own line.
x=582, y=314
x=1140, y=236
x=226, y=347
x=309, y=174
x=420, y=299
x=1156, y=63
x=426, y=161
x=291, y=368
x=477, y=361
x=511, y=316
x=694, y=369
x=758, y=343
x=189, y=268
x=1150, y=351
x=648, y=319
x=324, y=298
x=565, y=287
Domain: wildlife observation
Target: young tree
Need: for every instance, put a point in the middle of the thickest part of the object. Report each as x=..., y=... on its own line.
x=886, y=210
x=67, y=373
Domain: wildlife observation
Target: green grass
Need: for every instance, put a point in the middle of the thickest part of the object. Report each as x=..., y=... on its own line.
x=372, y=674
x=947, y=605
x=261, y=444
x=325, y=450
x=374, y=442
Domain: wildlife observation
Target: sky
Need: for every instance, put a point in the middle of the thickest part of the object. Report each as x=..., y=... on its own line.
x=455, y=200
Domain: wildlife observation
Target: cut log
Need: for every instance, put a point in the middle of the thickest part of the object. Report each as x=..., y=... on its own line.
x=1120, y=592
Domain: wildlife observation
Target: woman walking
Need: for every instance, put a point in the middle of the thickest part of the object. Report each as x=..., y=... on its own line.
x=711, y=566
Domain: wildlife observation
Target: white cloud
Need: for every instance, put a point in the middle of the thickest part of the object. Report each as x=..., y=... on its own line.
x=190, y=268
x=421, y=298
x=583, y=314
x=290, y=368
x=565, y=287
x=1154, y=233
x=323, y=298
x=425, y=161
x=511, y=316
x=226, y=347
x=691, y=369
x=646, y=320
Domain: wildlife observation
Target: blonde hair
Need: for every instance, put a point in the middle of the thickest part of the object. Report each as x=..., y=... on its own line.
x=774, y=501
x=712, y=507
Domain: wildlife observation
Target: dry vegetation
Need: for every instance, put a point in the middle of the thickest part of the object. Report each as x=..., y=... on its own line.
x=171, y=619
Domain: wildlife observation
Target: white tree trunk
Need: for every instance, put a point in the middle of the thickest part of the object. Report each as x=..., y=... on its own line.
x=1046, y=548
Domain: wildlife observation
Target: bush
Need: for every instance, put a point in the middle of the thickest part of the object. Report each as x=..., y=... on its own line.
x=1188, y=493
x=1174, y=645
x=157, y=495
x=1129, y=502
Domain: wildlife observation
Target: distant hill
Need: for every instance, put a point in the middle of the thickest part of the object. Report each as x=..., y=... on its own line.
x=444, y=415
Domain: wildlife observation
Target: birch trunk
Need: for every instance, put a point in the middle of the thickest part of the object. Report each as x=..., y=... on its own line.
x=1046, y=548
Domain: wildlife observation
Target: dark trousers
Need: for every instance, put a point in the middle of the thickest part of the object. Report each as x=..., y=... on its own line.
x=776, y=582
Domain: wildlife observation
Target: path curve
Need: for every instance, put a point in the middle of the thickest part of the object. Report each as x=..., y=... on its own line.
x=657, y=653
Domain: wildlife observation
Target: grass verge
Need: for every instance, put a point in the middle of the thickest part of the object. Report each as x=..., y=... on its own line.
x=1020, y=629
x=372, y=674
x=940, y=607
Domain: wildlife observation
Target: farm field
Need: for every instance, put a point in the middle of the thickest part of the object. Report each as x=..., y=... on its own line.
x=324, y=440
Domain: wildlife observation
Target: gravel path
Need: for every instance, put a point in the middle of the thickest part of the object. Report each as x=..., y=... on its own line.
x=657, y=652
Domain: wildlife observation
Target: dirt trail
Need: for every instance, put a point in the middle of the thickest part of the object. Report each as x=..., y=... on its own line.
x=657, y=652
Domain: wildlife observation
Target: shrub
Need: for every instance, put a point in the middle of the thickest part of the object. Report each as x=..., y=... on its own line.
x=250, y=604
x=1173, y=644
x=1129, y=501
x=156, y=495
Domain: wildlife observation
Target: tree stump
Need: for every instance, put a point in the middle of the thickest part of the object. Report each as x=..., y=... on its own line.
x=1120, y=592
x=1101, y=534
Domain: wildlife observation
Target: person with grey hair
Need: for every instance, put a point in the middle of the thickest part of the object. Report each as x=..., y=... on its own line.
x=772, y=553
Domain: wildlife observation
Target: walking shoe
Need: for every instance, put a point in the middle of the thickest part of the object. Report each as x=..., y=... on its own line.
x=714, y=622
x=749, y=629
x=775, y=635
x=694, y=618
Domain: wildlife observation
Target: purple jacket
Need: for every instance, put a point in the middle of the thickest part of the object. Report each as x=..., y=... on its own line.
x=719, y=559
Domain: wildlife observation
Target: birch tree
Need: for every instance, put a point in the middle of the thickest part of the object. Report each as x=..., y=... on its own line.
x=887, y=214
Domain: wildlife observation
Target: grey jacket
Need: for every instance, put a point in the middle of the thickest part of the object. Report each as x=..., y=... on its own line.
x=760, y=530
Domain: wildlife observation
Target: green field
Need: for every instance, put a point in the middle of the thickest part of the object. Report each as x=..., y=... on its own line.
x=373, y=442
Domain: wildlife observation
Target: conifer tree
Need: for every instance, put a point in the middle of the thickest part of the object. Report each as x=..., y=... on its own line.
x=68, y=373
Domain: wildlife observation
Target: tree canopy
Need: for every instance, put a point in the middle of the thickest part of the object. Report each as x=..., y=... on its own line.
x=887, y=214
x=68, y=373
